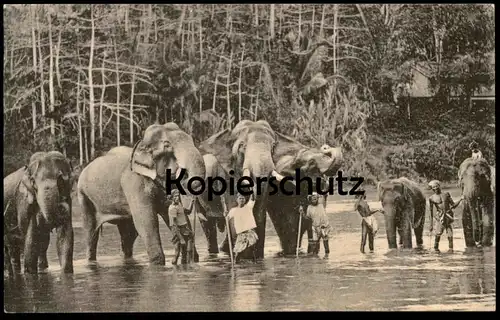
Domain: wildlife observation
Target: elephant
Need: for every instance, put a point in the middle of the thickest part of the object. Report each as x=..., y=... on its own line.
x=127, y=187
x=37, y=200
x=404, y=208
x=253, y=149
x=475, y=181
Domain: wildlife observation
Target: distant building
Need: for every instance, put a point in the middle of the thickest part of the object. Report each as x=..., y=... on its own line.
x=420, y=86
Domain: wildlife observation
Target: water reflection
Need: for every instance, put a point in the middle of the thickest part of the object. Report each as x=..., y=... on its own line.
x=345, y=280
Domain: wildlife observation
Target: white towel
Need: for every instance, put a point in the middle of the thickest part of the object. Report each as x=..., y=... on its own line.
x=371, y=221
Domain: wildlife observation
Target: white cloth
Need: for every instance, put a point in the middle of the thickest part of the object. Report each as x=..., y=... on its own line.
x=371, y=221
x=243, y=218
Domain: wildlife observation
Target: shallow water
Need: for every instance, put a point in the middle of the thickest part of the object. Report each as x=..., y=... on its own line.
x=345, y=280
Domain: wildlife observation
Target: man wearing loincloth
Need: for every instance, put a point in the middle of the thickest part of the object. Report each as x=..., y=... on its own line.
x=320, y=226
x=369, y=225
x=244, y=225
x=444, y=214
x=182, y=235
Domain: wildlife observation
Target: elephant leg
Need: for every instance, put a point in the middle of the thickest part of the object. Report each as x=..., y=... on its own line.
x=128, y=234
x=419, y=235
x=44, y=245
x=390, y=229
x=146, y=223
x=65, y=243
x=364, y=231
x=31, y=247
x=407, y=240
x=261, y=234
x=488, y=228
x=89, y=224
x=210, y=229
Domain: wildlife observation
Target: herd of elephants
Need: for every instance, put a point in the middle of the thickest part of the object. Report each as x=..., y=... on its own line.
x=126, y=187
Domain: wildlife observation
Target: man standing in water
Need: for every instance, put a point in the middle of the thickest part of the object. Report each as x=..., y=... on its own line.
x=320, y=226
x=183, y=236
x=444, y=213
x=244, y=225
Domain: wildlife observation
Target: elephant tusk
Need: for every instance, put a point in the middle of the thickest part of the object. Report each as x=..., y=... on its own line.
x=178, y=172
x=246, y=172
x=278, y=176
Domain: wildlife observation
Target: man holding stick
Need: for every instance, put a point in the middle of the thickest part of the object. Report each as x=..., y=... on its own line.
x=182, y=236
x=444, y=214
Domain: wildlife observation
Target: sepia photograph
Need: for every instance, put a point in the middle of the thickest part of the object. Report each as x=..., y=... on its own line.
x=249, y=157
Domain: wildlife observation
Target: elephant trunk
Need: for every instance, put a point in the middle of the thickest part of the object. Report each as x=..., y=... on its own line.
x=189, y=158
x=258, y=163
x=48, y=200
x=390, y=226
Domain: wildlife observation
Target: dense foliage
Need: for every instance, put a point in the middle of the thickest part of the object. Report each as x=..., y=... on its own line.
x=83, y=78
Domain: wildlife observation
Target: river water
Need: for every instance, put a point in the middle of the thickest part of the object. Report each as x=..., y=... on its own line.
x=344, y=280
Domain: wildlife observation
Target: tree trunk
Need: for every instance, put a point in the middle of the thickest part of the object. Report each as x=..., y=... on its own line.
x=101, y=102
x=91, y=85
x=271, y=22
x=117, y=95
x=132, y=109
x=33, y=39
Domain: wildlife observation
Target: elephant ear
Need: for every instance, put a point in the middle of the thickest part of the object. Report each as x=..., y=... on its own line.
x=383, y=186
x=285, y=152
x=406, y=193
x=27, y=185
x=220, y=145
x=148, y=156
x=141, y=162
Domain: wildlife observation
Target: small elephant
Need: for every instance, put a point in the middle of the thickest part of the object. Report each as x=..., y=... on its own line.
x=37, y=200
x=404, y=206
x=126, y=187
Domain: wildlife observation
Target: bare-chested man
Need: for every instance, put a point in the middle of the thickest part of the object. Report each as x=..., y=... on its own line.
x=444, y=214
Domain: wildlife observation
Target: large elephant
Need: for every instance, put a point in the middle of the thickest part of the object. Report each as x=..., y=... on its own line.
x=37, y=200
x=126, y=187
x=253, y=149
x=475, y=181
x=404, y=206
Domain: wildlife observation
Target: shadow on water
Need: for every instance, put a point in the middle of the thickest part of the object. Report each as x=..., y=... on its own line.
x=344, y=280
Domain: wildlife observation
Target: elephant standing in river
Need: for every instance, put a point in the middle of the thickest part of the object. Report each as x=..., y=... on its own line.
x=404, y=206
x=253, y=149
x=475, y=181
x=126, y=187
x=36, y=200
